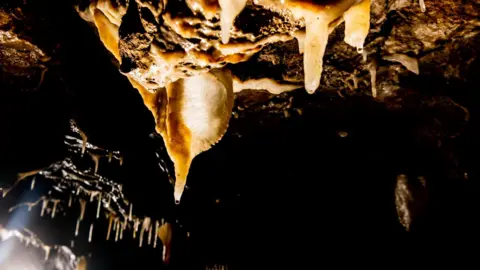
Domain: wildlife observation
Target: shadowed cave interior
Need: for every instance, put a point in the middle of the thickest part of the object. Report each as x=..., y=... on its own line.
x=297, y=179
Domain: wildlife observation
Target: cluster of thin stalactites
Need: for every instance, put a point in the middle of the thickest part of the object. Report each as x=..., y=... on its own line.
x=87, y=190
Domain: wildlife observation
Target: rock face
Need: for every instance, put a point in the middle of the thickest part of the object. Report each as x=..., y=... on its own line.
x=31, y=94
x=265, y=45
x=184, y=38
x=164, y=48
x=23, y=62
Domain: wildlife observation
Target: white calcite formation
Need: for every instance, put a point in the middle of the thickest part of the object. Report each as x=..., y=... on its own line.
x=177, y=54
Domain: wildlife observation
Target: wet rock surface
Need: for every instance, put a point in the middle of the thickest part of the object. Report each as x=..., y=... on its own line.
x=293, y=169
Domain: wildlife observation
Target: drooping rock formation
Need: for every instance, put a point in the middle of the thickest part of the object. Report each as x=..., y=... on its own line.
x=160, y=42
x=165, y=48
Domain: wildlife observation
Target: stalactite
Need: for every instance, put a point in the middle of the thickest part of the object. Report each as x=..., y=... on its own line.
x=54, y=209
x=121, y=231
x=165, y=235
x=32, y=186
x=110, y=220
x=77, y=227
x=96, y=160
x=145, y=225
x=156, y=234
x=423, y=8
x=130, y=212
x=90, y=232
x=116, y=227
x=316, y=39
x=200, y=108
x=373, y=77
x=47, y=252
x=357, y=24
x=84, y=141
x=149, y=234
x=99, y=205
x=300, y=36
x=230, y=10
x=135, y=227
x=83, y=205
x=44, y=206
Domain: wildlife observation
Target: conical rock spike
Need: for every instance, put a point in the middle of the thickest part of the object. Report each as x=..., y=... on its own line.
x=83, y=205
x=199, y=110
x=357, y=24
x=54, y=209
x=157, y=225
x=99, y=205
x=77, y=227
x=149, y=234
x=229, y=11
x=316, y=39
x=90, y=232
x=110, y=221
x=32, y=185
x=44, y=206
x=165, y=235
x=117, y=232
